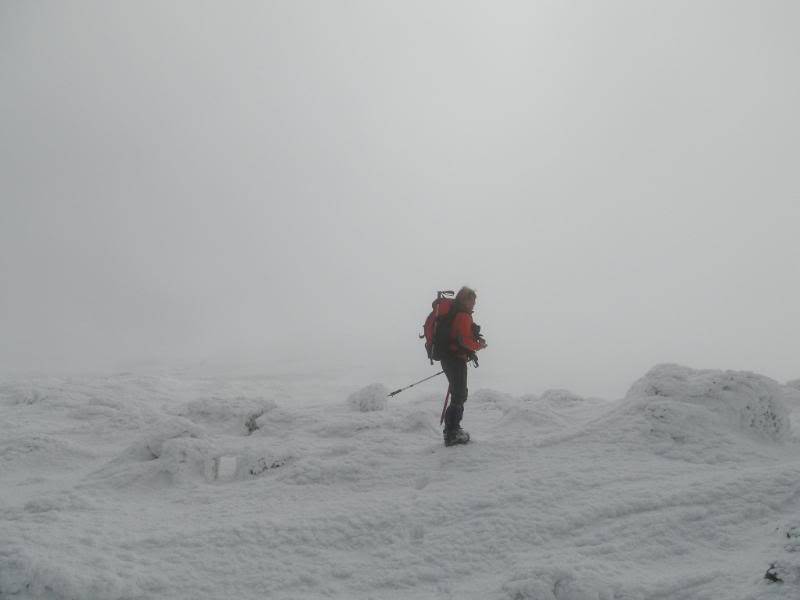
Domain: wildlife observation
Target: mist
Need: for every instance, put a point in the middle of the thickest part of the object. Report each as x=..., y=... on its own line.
x=258, y=182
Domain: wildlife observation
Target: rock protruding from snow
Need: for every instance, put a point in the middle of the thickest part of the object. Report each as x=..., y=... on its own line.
x=370, y=398
x=738, y=399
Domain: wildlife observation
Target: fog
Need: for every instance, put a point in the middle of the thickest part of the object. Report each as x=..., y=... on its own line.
x=265, y=181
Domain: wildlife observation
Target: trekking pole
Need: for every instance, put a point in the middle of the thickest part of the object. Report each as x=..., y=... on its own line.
x=444, y=408
x=413, y=384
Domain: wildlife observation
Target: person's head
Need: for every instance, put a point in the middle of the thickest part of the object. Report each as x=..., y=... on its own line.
x=466, y=297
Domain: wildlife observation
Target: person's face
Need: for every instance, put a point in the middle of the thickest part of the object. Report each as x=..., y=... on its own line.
x=469, y=304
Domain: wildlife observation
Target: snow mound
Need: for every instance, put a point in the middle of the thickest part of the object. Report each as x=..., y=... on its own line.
x=683, y=401
x=239, y=414
x=794, y=383
x=176, y=450
x=151, y=446
x=370, y=398
x=561, y=398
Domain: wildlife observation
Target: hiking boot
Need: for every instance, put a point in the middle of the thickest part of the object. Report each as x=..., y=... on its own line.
x=456, y=436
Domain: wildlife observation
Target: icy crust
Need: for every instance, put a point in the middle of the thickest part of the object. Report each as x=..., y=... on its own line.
x=673, y=395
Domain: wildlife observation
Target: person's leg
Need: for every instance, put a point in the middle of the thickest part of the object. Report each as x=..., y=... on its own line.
x=449, y=369
x=456, y=371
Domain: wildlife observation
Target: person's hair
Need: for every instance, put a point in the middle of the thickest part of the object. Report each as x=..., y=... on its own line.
x=464, y=294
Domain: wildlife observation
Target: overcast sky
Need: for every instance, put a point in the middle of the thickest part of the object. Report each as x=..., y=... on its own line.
x=620, y=181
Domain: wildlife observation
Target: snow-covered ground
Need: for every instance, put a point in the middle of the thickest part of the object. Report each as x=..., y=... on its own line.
x=174, y=485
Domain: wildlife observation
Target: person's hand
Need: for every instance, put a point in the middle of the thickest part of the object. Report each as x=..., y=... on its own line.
x=483, y=343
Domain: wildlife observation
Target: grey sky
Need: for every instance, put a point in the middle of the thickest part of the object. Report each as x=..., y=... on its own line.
x=619, y=181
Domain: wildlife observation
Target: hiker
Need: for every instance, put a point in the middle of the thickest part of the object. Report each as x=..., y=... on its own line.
x=464, y=341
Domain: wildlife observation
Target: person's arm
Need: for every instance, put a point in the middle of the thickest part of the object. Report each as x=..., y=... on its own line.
x=462, y=328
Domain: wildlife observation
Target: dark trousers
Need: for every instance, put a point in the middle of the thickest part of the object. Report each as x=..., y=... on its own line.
x=456, y=371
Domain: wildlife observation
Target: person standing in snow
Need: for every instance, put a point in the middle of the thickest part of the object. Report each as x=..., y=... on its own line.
x=464, y=341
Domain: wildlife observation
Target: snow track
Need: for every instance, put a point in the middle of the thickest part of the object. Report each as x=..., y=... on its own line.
x=109, y=492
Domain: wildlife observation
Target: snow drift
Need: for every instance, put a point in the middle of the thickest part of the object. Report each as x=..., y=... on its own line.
x=707, y=416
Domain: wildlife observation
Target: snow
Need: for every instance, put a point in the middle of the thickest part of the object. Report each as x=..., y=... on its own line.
x=753, y=403
x=190, y=484
x=372, y=397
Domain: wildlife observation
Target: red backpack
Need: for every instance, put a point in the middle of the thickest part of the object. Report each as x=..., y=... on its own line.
x=435, y=327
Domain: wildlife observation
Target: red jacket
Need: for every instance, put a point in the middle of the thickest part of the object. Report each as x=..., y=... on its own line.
x=462, y=339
